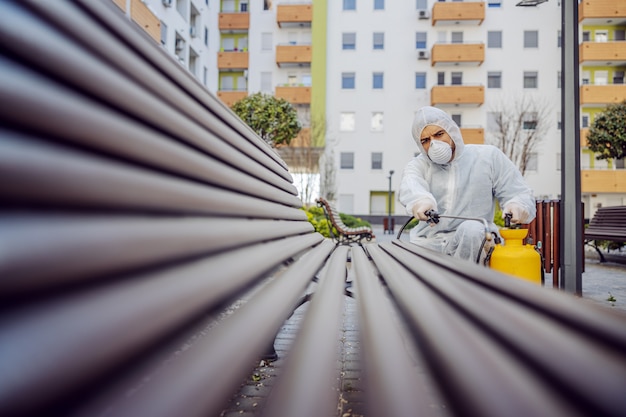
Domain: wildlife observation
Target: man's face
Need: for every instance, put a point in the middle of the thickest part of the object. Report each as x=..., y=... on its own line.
x=432, y=132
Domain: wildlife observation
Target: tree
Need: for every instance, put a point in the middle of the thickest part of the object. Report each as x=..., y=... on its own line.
x=273, y=119
x=607, y=134
x=518, y=126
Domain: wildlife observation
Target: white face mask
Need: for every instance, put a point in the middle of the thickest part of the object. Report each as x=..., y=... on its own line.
x=439, y=152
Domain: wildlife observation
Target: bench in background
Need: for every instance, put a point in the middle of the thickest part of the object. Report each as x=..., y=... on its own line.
x=345, y=235
x=608, y=223
x=153, y=246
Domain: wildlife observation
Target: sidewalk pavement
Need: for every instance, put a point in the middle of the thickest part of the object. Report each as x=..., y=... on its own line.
x=604, y=283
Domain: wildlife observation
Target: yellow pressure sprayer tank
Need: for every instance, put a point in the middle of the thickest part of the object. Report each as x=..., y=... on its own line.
x=515, y=258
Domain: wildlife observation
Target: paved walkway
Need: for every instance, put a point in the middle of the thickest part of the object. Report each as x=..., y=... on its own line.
x=602, y=283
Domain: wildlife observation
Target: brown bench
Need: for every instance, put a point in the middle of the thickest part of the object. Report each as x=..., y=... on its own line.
x=340, y=233
x=153, y=246
x=608, y=223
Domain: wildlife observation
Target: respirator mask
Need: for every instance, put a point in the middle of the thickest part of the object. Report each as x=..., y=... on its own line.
x=439, y=152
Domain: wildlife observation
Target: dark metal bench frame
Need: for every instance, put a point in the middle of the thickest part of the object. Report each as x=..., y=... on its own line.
x=123, y=181
x=608, y=223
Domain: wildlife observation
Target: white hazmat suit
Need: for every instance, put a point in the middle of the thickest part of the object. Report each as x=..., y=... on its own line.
x=467, y=186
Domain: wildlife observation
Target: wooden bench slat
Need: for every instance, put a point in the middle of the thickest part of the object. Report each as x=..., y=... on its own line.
x=393, y=386
x=101, y=43
x=33, y=172
x=70, y=249
x=85, y=335
x=304, y=388
x=501, y=338
x=207, y=375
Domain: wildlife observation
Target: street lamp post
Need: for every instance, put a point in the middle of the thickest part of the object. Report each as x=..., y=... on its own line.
x=389, y=223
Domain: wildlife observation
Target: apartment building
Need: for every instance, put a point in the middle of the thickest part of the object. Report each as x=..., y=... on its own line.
x=357, y=70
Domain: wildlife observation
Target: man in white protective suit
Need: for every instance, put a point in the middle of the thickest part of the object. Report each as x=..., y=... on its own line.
x=455, y=179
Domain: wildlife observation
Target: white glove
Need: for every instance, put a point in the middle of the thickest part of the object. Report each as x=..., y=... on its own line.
x=421, y=208
x=519, y=213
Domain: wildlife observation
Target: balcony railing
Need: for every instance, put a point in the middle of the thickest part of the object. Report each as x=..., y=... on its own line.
x=293, y=55
x=602, y=53
x=467, y=54
x=143, y=16
x=234, y=22
x=583, y=136
x=457, y=95
x=458, y=13
x=600, y=12
x=294, y=15
x=230, y=97
x=473, y=135
x=601, y=95
x=603, y=181
x=294, y=94
x=232, y=60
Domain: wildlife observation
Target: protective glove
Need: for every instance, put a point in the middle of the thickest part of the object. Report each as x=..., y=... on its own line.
x=421, y=208
x=519, y=213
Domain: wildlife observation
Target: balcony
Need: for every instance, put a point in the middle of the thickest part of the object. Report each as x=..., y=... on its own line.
x=601, y=12
x=234, y=22
x=294, y=94
x=603, y=181
x=232, y=60
x=143, y=17
x=457, y=95
x=473, y=135
x=458, y=13
x=458, y=54
x=294, y=15
x=601, y=95
x=602, y=53
x=293, y=56
x=230, y=97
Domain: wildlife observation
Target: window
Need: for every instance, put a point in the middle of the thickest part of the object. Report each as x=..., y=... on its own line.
x=558, y=161
x=379, y=40
x=494, y=39
x=533, y=162
x=494, y=80
x=267, y=41
x=267, y=4
x=377, y=160
x=441, y=78
x=530, y=79
x=529, y=121
x=379, y=4
x=346, y=123
x=377, y=80
x=347, y=160
x=266, y=82
x=586, y=36
x=347, y=80
x=377, y=121
x=456, y=37
x=348, y=41
x=457, y=119
x=584, y=120
x=531, y=39
x=163, y=33
x=349, y=4
x=494, y=3
x=421, y=4
x=457, y=78
x=420, y=40
x=206, y=36
x=558, y=79
x=585, y=77
x=558, y=39
x=420, y=80
x=558, y=121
